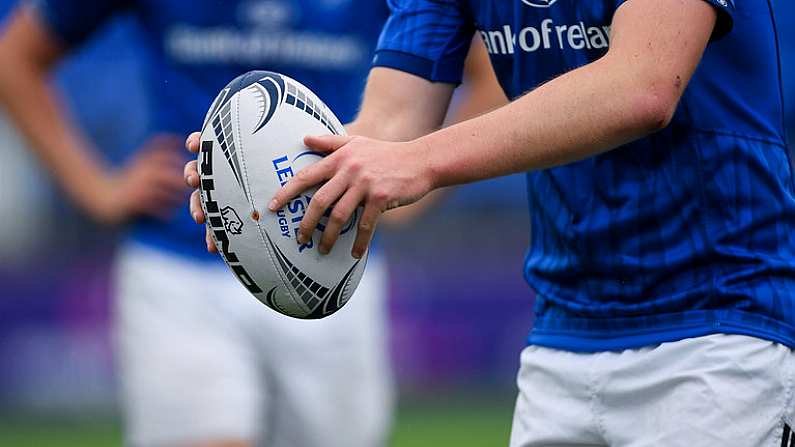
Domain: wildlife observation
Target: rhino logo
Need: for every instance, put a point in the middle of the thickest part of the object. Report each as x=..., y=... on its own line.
x=232, y=222
x=540, y=3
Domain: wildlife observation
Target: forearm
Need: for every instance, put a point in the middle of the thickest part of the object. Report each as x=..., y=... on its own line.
x=583, y=113
x=28, y=54
x=400, y=107
x=34, y=109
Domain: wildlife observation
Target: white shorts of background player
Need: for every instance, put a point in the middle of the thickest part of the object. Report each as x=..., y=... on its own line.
x=200, y=359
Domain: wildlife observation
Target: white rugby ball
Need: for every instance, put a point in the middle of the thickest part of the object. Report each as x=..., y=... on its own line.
x=251, y=144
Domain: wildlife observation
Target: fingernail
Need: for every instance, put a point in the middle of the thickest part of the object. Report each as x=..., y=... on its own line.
x=195, y=217
x=357, y=253
x=301, y=238
x=274, y=205
x=323, y=250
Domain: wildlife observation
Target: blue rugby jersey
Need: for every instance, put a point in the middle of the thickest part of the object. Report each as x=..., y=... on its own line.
x=785, y=14
x=196, y=47
x=686, y=232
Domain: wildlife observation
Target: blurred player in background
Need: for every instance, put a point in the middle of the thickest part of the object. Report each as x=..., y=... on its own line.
x=209, y=366
x=661, y=193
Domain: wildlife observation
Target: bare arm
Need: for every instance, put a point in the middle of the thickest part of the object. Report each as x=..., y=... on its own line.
x=478, y=93
x=29, y=53
x=400, y=107
x=629, y=93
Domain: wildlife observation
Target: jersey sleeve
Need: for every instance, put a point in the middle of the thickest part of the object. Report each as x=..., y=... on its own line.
x=73, y=21
x=725, y=10
x=427, y=38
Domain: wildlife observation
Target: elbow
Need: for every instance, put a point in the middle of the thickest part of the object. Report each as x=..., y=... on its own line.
x=648, y=92
x=661, y=113
x=654, y=109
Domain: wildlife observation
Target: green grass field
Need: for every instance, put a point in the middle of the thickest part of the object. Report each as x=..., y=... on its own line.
x=460, y=423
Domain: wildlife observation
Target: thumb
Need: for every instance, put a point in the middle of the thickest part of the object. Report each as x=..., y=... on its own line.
x=326, y=143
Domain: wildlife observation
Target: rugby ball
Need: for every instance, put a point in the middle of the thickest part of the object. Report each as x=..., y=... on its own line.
x=251, y=145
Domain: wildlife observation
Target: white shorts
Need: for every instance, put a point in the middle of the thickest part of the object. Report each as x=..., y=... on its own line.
x=201, y=360
x=718, y=390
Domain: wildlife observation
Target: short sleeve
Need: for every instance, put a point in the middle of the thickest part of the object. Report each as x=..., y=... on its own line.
x=427, y=38
x=73, y=21
x=725, y=17
x=725, y=22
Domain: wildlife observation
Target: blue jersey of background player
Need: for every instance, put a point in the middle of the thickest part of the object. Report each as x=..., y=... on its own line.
x=209, y=366
x=686, y=232
x=197, y=47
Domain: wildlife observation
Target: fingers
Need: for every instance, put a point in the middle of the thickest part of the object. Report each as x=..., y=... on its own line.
x=161, y=152
x=366, y=230
x=326, y=143
x=151, y=200
x=323, y=199
x=192, y=142
x=305, y=179
x=341, y=172
x=164, y=141
x=154, y=201
x=163, y=155
x=340, y=215
x=164, y=187
x=159, y=160
x=155, y=192
x=169, y=179
x=191, y=174
x=196, y=207
x=208, y=238
x=167, y=199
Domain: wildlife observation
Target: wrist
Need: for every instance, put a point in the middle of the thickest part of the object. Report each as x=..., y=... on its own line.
x=352, y=128
x=84, y=180
x=427, y=167
x=95, y=196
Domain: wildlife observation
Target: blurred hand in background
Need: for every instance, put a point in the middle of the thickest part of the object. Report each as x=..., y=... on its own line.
x=149, y=184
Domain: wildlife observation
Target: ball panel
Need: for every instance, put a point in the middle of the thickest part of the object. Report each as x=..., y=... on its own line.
x=252, y=144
